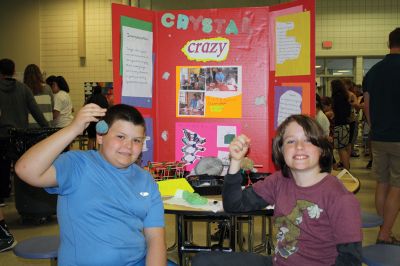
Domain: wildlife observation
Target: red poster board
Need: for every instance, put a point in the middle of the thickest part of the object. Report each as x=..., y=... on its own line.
x=194, y=49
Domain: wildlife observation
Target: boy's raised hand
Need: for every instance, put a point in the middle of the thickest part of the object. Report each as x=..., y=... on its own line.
x=88, y=113
x=237, y=151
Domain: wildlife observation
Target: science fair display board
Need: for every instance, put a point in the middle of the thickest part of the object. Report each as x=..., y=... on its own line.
x=203, y=76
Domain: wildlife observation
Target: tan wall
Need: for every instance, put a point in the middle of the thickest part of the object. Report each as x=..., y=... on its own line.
x=356, y=28
x=59, y=43
x=20, y=33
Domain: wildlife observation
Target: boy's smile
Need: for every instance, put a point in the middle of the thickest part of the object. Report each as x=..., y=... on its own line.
x=122, y=144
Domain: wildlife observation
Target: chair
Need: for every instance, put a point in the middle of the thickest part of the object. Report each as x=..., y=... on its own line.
x=41, y=247
x=45, y=247
x=171, y=263
x=381, y=255
x=371, y=220
x=378, y=254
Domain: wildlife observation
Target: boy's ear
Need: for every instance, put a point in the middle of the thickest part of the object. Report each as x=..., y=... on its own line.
x=99, y=139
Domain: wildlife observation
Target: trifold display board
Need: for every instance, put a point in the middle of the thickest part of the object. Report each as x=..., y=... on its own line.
x=200, y=77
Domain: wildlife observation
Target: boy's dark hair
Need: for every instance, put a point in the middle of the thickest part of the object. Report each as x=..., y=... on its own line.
x=394, y=38
x=314, y=132
x=126, y=113
x=62, y=83
x=7, y=67
x=50, y=80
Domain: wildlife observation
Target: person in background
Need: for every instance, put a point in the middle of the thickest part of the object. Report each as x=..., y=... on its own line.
x=341, y=108
x=381, y=87
x=318, y=220
x=63, y=108
x=326, y=103
x=219, y=76
x=321, y=118
x=231, y=80
x=50, y=80
x=109, y=209
x=16, y=102
x=42, y=92
x=199, y=103
x=353, y=119
x=101, y=100
x=193, y=102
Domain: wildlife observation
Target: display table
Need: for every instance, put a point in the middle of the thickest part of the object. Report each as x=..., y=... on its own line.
x=187, y=214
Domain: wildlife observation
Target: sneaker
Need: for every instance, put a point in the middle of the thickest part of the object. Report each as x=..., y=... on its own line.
x=354, y=154
x=2, y=203
x=7, y=243
x=391, y=241
x=369, y=165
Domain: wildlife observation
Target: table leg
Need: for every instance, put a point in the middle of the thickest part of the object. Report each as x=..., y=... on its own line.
x=173, y=246
x=181, y=239
x=269, y=242
x=233, y=224
x=53, y=262
x=208, y=234
x=263, y=246
x=250, y=237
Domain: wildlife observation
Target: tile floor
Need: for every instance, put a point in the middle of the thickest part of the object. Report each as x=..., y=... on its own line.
x=365, y=195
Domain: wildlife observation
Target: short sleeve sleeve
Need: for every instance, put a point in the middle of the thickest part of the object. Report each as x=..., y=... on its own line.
x=65, y=174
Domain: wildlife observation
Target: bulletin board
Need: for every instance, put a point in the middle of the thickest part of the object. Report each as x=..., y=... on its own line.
x=205, y=76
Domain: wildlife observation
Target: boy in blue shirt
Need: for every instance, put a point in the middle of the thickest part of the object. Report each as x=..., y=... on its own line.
x=109, y=210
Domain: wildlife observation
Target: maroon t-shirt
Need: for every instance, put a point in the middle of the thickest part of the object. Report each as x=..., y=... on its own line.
x=310, y=221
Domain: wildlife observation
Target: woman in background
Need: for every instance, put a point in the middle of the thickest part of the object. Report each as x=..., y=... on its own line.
x=341, y=109
x=42, y=92
x=63, y=109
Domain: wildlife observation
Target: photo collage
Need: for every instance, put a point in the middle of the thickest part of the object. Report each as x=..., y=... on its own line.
x=195, y=83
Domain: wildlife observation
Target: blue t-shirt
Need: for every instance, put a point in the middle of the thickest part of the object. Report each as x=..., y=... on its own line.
x=219, y=77
x=102, y=210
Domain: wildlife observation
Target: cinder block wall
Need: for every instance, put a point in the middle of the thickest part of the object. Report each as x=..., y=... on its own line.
x=59, y=43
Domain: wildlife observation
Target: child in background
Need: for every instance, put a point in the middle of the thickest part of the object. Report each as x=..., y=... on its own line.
x=318, y=221
x=109, y=210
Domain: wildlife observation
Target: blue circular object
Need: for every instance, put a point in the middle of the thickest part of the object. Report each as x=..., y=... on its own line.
x=101, y=127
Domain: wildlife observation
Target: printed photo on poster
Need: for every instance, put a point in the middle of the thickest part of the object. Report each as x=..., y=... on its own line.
x=191, y=103
x=222, y=79
x=192, y=79
x=225, y=135
x=208, y=91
